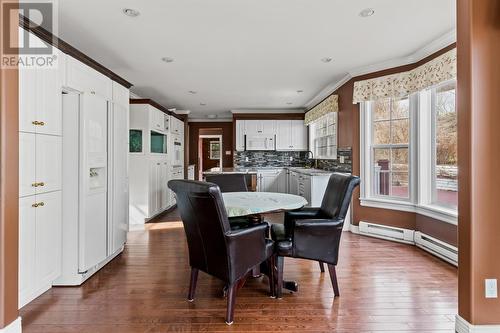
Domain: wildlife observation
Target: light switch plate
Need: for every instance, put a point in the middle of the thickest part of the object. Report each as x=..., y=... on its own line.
x=490, y=288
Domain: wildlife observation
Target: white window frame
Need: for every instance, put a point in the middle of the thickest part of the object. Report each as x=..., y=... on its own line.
x=420, y=167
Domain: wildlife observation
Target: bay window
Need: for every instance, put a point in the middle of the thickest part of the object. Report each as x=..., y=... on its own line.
x=409, y=152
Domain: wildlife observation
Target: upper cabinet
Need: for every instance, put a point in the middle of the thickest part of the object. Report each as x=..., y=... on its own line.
x=291, y=135
x=121, y=95
x=177, y=126
x=158, y=120
x=40, y=97
x=85, y=79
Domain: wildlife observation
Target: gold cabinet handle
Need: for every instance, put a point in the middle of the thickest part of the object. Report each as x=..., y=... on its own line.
x=34, y=184
x=38, y=123
x=38, y=204
x=38, y=184
x=42, y=123
x=41, y=204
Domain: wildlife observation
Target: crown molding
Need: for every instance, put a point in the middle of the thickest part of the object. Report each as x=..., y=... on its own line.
x=243, y=111
x=327, y=91
x=207, y=120
x=437, y=44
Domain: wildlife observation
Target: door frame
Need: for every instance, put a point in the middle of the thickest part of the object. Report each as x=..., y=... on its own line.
x=200, y=151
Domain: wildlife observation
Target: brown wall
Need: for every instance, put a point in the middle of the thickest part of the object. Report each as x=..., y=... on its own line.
x=227, y=141
x=479, y=157
x=9, y=186
x=349, y=135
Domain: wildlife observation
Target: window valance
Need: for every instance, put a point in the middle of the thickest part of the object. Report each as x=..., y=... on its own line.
x=330, y=104
x=438, y=70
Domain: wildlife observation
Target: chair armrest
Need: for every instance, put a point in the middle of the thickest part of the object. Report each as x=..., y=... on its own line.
x=317, y=239
x=304, y=213
x=247, y=248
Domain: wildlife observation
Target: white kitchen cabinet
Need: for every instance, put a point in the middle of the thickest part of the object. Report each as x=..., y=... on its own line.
x=291, y=135
x=240, y=135
x=40, y=99
x=293, y=182
x=157, y=119
x=283, y=181
x=271, y=180
x=158, y=179
x=257, y=127
x=40, y=224
x=165, y=193
x=40, y=163
x=176, y=126
x=27, y=167
x=85, y=79
x=48, y=163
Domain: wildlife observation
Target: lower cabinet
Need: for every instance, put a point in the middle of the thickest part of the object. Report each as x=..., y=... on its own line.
x=158, y=194
x=40, y=228
x=272, y=181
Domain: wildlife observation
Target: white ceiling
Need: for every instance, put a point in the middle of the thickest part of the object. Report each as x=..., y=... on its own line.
x=240, y=54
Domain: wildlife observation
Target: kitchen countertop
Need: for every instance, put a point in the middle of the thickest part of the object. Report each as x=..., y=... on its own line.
x=254, y=170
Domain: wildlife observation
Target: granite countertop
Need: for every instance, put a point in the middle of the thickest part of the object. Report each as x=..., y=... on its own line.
x=254, y=170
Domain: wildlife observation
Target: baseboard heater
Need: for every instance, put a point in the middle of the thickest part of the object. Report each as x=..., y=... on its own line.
x=439, y=248
x=386, y=232
x=443, y=250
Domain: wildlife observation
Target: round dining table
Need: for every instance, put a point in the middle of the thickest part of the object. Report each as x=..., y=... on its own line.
x=256, y=203
x=253, y=203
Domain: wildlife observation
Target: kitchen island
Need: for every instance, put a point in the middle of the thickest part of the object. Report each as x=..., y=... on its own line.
x=251, y=175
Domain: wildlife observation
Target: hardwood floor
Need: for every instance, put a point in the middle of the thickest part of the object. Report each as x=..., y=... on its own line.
x=384, y=286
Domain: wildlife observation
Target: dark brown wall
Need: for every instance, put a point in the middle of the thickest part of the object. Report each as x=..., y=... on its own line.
x=227, y=141
x=9, y=187
x=479, y=157
x=349, y=135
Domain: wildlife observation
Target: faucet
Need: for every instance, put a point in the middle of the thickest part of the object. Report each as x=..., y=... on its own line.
x=312, y=158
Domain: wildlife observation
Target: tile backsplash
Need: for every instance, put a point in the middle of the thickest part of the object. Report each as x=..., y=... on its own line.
x=248, y=159
x=260, y=159
x=336, y=165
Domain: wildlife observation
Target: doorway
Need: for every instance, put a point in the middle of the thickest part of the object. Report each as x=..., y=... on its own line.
x=209, y=153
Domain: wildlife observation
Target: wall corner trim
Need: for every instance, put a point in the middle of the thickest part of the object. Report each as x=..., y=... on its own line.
x=463, y=326
x=14, y=327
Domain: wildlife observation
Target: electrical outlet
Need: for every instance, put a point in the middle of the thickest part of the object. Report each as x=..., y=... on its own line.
x=342, y=159
x=291, y=158
x=246, y=159
x=490, y=288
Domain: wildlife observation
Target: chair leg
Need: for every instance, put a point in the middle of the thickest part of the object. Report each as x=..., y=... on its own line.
x=333, y=277
x=192, y=284
x=231, y=300
x=321, y=266
x=280, y=261
x=271, y=262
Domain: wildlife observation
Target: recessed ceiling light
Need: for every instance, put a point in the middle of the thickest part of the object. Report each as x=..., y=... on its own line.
x=326, y=59
x=203, y=104
x=300, y=91
x=193, y=92
x=367, y=12
x=289, y=103
x=167, y=59
x=131, y=12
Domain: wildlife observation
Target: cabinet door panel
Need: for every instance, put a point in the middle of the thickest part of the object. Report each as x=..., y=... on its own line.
x=165, y=200
x=283, y=135
x=298, y=135
x=268, y=126
x=253, y=127
x=27, y=175
x=240, y=135
x=27, y=234
x=49, y=109
x=93, y=231
x=48, y=237
x=27, y=98
x=48, y=163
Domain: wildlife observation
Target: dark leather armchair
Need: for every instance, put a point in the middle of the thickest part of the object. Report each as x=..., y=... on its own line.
x=213, y=247
x=314, y=233
x=229, y=182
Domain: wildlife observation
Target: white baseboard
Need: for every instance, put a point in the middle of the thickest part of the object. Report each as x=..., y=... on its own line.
x=14, y=327
x=354, y=229
x=463, y=326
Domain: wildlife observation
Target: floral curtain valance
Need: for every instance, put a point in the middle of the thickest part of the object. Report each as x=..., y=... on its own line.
x=438, y=70
x=330, y=104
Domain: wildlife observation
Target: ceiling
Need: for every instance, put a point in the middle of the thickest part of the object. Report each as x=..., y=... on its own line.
x=246, y=54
